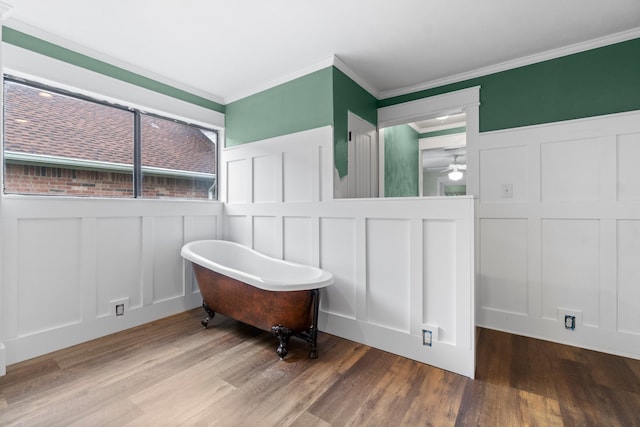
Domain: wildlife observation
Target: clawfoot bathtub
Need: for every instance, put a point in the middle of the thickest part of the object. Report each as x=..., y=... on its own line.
x=267, y=293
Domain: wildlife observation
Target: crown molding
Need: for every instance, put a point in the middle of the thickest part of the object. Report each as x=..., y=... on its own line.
x=97, y=55
x=327, y=62
x=516, y=63
x=5, y=10
x=340, y=64
x=336, y=61
x=333, y=60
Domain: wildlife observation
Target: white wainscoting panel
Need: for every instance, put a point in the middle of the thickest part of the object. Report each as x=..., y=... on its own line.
x=504, y=265
x=298, y=173
x=119, y=240
x=49, y=274
x=628, y=276
x=398, y=263
x=199, y=228
x=168, y=234
x=388, y=272
x=570, y=268
x=276, y=174
x=265, y=232
x=568, y=170
x=66, y=261
x=500, y=167
x=628, y=170
x=237, y=190
x=570, y=246
x=440, y=266
x=338, y=255
x=298, y=238
x=238, y=228
x=266, y=172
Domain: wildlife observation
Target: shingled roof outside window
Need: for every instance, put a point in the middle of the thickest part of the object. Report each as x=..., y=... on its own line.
x=71, y=137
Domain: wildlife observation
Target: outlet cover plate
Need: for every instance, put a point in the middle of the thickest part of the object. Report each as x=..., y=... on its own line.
x=507, y=191
x=427, y=337
x=119, y=307
x=570, y=319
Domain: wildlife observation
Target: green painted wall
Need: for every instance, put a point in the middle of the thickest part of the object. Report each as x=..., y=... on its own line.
x=300, y=104
x=317, y=99
x=54, y=51
x=401, y=151
x=348, y=96
x=586, y=84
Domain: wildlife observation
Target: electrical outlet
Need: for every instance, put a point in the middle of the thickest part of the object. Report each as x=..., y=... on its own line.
x=119, y=306
x=427, y=337
x=569, y=322
x=507, y=191
x=570, y=318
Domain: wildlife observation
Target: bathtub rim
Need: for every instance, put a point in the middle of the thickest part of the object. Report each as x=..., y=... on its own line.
x=323, y=279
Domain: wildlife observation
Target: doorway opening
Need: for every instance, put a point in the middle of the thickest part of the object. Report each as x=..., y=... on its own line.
x=443, y=155
x=362, y=157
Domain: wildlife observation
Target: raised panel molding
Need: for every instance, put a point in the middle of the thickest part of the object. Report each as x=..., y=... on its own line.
x=500, y=167
x=628, y=233
x=388, y=279
x=299, y=239
x=118, y=270
x=571, y=268
x=337, y=255
x=439, y=266
x=49, y=290
x=237, y=184
x=267, y=176
x=504, y=265
x=265, y=235
x=397, y=263
x=168, y=235
x=66, y=261
x=578, y=251
x=628, y=175
x=569, y=170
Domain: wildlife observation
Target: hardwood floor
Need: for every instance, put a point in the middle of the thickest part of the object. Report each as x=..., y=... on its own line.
x=172, y=372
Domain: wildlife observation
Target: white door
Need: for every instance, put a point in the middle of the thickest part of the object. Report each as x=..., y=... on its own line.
x=362, y=155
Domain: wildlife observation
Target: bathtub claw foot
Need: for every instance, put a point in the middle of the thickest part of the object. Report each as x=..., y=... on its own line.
x=210, y=315
x=283, y=334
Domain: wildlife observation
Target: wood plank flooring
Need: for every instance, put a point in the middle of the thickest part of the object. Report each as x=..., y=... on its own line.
x=172, y=372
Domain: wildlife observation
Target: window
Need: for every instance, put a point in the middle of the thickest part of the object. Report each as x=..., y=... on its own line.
x=57, y=143
x=178, y=160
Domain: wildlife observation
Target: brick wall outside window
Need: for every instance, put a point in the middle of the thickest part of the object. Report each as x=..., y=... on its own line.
x=24, y=179
x=47, y=134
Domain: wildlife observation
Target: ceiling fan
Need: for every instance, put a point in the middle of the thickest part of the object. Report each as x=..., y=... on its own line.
x=455, y=169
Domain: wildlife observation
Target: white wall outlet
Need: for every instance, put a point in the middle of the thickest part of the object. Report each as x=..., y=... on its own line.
x=571, y=319
x=427, y=337
x=429, y=334
x=507, y=191
x=119, y=307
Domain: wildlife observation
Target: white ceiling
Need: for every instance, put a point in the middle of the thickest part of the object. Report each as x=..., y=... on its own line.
x=229, y=49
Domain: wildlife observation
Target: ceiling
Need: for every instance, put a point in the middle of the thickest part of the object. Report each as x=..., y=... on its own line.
x=226, y=50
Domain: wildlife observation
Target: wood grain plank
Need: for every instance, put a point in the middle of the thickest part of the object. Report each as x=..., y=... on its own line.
x=308, y=420
x=438, y=399
x=339, y=404
x=532, y=366
x=173, y=372
x=114, y=413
